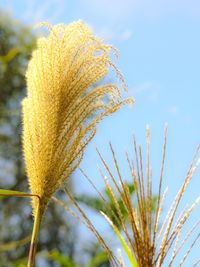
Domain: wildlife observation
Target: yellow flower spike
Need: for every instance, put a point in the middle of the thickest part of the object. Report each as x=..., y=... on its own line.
x=64, y=105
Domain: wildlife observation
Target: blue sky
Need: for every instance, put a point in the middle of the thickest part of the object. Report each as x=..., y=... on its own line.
x=159, y=55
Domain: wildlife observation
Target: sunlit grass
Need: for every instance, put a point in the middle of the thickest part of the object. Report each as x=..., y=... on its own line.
x=146, y=239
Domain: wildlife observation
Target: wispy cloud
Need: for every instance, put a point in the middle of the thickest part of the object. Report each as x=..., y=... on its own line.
x=110, y=34
x=33, y=11
x=111, y=10
x=126, y=9
x=126, y=35
x=173, y=110
x=148, y=88
x=116, y=13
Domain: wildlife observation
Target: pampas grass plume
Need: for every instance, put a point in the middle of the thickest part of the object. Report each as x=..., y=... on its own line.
x=64, y=104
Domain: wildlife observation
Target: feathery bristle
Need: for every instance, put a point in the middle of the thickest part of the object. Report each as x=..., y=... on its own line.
x=141, y=228
x=148, y=238
x=64, y=104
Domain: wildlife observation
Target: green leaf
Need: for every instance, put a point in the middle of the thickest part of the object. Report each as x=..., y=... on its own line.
x=123, y=242
x=13, y=193
x=98, y=259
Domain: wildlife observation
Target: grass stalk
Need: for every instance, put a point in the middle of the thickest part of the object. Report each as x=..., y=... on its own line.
x=34, y=238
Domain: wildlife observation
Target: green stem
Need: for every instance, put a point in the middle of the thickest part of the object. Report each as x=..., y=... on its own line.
x=34, y=238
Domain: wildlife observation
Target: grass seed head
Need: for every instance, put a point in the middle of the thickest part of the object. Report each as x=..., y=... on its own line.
x=64, y=103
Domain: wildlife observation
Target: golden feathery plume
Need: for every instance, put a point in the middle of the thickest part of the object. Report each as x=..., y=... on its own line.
x=64, y=104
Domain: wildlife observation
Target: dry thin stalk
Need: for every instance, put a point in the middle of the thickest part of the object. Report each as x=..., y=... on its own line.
x=175, y=246
x=143, y=222
x=68, y=209
x=121, y=261
x=109, y=209
x=149, y=179
x=196, y=263
x=107, y=205
x=189, y=250
x=92, y=228
x=178, y=248
x=148, y=244
x=166, y=239
x=160, y=187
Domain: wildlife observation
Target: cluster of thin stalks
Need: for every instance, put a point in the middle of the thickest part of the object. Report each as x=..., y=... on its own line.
x=146, y=238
